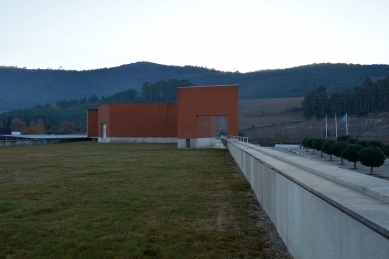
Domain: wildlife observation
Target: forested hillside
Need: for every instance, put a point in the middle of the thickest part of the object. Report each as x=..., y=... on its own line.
x=22, y=88
x=370, y=97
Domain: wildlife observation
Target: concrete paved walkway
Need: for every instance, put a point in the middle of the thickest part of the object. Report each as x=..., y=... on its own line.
x=219, y=144
x=379, y=172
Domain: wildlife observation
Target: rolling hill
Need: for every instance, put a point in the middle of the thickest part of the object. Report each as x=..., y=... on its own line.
x=22, y=88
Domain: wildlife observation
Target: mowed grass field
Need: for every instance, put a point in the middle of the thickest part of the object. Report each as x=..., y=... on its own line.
x=90, y=200
x=257, y=112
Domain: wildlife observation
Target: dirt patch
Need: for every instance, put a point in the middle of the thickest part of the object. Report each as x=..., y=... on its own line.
x=275, y=245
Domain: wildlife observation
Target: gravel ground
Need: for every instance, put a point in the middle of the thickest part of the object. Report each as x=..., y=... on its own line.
x=275, y=243
x=379, y=172
x=372, y=127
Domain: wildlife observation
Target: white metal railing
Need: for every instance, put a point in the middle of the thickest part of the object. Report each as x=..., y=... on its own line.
x=239, y=138
x=244, y=139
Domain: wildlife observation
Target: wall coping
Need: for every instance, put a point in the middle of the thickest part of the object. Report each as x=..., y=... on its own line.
x=365, y=184
x=363, y=197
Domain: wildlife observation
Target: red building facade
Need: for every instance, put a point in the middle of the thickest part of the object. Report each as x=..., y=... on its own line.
x=190, y=122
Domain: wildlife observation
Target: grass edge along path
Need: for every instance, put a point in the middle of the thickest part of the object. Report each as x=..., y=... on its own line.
x=92, y=200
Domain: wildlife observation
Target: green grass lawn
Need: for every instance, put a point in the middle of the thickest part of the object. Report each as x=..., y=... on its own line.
x=93, y=200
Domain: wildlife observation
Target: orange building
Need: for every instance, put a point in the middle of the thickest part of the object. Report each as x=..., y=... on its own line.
x=190, y=122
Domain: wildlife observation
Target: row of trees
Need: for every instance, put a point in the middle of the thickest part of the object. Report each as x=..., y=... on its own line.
x=162, y=91
x=38, y=127
x=130, y=95
x=49, y=118
x=370, y=153
x=370, y=97
x=66, y=116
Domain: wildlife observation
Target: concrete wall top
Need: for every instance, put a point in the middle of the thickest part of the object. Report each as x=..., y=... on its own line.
x=363, y=197
x=374, y=187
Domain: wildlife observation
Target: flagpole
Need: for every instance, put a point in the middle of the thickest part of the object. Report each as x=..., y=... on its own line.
x=346, y=125
x=336, y=127
x=326, y=126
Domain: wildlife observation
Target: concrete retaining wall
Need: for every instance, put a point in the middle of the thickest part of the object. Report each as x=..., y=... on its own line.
x=315, y=217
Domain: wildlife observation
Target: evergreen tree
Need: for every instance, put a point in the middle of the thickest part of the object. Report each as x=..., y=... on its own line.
x=386, y=150
x=327, y=147
x=337, y=149
x=343, y=138
x=361, y=100
x=309, y=143
x=372, y=156
x=305, y=143
x=375, y=143
x=351, y=153
x=318, y=144
x=352, y=140
x=362, y=143
x=315, y=103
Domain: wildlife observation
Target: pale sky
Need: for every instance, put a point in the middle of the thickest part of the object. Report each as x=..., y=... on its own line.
x=243, y=35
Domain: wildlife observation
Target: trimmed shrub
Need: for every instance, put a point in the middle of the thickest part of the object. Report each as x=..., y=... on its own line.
x=362, y=143
x=337, y=149
x=308, y=143
x=386, y=150
x=318, y=144
x=327, y=147
x=372, y=156
x=343, y=138
x=351, y=153
x=352, y=141
x=375, y=143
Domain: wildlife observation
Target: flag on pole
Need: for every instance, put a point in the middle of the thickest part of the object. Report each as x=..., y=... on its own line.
x=344, y=119
x=325, y=119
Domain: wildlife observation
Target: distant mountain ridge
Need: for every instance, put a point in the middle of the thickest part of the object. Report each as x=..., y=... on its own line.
x=21, y=88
